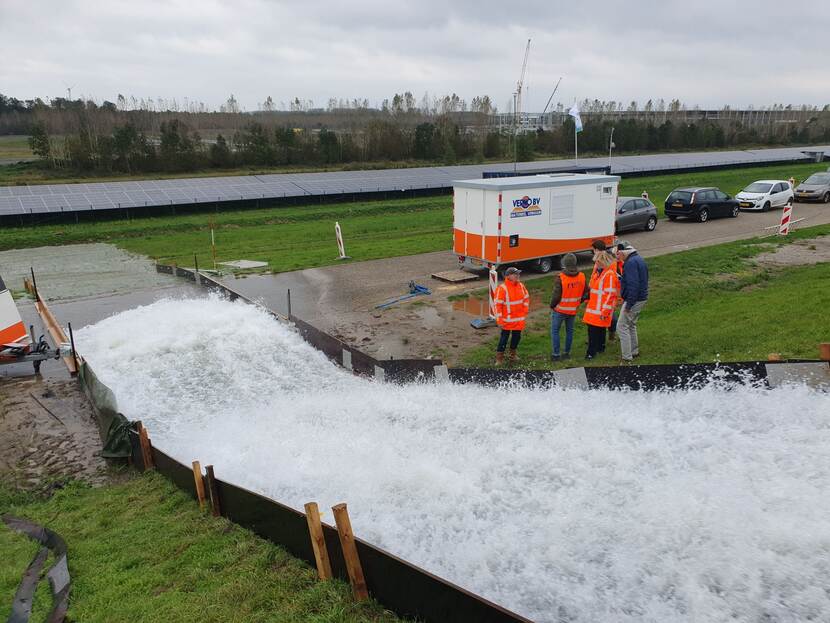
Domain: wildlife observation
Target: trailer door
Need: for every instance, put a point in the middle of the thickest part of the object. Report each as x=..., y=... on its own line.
x=474, y=202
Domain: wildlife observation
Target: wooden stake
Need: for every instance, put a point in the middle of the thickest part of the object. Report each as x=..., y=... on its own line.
x=214, y=492
x=146, y=448
x=200, y=483
x=344, y=530
x=318, y=541
x=824, y=351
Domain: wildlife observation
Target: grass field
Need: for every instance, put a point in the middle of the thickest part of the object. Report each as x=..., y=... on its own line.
x=291, y=238
x=14, y=147
x=141, y=551
x=704, y=305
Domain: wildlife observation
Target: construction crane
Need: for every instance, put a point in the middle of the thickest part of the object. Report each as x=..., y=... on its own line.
x=519, y=86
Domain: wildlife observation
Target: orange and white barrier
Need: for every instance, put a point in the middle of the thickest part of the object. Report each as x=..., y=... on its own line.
x=494, y=283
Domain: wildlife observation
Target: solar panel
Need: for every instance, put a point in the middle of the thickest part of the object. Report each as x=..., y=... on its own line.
x=150, y=193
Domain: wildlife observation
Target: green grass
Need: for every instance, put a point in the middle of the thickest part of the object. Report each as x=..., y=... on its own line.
x=704, y=305
x=15, y=146
x=142, y=551
x=302, y=237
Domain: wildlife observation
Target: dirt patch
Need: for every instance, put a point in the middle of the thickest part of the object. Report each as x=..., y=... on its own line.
x=801, y=253
x=47, y=433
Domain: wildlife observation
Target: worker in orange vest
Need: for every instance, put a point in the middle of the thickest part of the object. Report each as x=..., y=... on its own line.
x=512, y=303
x=568, y=288
x=601, y=302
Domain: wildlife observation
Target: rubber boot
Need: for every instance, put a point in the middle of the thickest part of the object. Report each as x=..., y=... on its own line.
x=512, y=357
x=499, y=359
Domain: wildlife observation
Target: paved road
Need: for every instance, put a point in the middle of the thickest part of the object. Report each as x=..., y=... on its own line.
x=334, y=295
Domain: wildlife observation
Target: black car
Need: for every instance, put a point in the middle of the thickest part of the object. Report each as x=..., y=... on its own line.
x=700, y=204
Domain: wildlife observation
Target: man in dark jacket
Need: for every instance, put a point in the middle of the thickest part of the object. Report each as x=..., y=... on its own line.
x=634, y=293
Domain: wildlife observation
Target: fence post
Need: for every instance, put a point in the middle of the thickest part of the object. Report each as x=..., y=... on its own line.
x=344, y=531
x=200, y=483
x=318, y=541
x=214, y=492
x=146, y=447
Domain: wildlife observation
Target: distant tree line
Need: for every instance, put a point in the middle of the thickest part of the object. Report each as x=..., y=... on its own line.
x=84, y=136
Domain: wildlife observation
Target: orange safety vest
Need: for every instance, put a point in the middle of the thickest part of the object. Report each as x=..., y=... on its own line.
x=604, y=292
x=512, y=303
x=572, y=289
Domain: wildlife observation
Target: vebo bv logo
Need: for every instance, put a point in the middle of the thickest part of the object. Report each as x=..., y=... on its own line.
x=526, y=206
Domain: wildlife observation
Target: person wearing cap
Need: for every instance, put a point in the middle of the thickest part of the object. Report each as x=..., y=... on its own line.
x=634, y=293
x=601, y=302
x=512, y=303
x=568, y=288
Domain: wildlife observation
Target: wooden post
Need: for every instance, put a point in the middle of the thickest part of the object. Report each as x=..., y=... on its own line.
x=824, y=351
x=200, y=483
x=214, y=492
x=146, y=447
x=318, y=541
x=344, y=530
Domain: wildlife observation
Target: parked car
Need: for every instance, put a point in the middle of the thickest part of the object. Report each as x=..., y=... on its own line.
x=814, y=188
x=700, y=204
x=635, y=213
x=765, y=194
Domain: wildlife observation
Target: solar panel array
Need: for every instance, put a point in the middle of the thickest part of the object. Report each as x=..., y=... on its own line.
x=56, y=198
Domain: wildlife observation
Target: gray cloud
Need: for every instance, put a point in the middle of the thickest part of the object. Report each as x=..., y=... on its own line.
x=706, y=53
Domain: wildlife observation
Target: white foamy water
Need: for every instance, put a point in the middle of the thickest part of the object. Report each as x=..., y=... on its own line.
x=563, y=505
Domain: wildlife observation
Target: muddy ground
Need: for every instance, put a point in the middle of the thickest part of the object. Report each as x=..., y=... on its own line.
x=47, y=434
x=47, y=430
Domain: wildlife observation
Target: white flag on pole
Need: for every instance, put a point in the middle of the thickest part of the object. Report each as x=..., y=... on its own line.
x=574, y=112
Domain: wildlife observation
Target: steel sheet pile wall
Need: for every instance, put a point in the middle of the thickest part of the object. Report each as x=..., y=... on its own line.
x=643, y=377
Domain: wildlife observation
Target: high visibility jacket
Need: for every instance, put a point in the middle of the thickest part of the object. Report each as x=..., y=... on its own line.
x=572, y=288
x=604, y=292
x=512, y=303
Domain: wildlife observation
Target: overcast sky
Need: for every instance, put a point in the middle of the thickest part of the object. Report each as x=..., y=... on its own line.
x=705, y=53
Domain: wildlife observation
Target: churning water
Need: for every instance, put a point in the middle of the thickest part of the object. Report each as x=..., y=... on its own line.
x=563, y=505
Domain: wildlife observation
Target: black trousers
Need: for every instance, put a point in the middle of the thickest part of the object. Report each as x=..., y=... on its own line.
x=596, y=340
x=514, y=336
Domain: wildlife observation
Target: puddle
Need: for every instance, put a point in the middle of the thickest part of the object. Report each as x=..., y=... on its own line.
x=430, y=317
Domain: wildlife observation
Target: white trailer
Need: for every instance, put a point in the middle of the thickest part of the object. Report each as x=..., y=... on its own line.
x=538, y=218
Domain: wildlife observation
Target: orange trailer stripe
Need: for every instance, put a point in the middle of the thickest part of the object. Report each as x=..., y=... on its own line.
x=528, y=249
x=13, y=333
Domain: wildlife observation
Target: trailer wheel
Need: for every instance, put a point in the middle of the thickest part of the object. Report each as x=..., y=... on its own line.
x=545, y=265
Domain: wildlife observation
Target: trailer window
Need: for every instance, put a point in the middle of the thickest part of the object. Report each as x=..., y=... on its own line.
x=561, y=209
x=607, y=192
